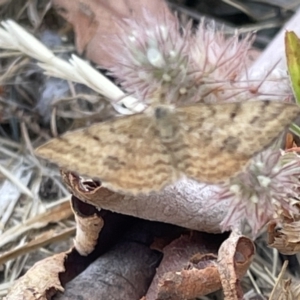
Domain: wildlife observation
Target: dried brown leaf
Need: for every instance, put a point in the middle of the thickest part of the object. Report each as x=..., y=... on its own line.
x=283, y=233
x=289, y=141
x=234, y=259
x=87, y=230
x=41, y=282
x=285, y=237
x=184, y=204
x=48, y=276
x=189, y=267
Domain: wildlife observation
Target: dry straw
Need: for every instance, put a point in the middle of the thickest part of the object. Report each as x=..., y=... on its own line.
x=14, y=37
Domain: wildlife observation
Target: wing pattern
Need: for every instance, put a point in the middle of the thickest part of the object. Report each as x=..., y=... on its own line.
x=212, y=143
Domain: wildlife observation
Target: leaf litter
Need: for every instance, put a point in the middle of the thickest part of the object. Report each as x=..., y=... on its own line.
x=31, y=224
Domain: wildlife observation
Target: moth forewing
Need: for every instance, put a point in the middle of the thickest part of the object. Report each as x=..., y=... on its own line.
x=145, y=152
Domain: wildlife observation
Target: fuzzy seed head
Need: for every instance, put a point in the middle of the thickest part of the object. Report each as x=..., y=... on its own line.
x=258, y=194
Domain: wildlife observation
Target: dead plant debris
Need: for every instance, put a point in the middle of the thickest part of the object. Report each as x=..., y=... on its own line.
x=120, y=256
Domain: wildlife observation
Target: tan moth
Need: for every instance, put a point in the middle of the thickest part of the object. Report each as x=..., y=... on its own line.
x=146, y=152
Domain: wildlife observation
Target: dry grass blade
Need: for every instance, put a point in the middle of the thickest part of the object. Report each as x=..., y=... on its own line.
x=40, y=241
x=56, y=214
x=16, y=182
x=11, y=193
x=77, y=70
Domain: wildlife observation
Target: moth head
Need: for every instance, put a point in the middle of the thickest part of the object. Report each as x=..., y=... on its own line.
x=166, y=122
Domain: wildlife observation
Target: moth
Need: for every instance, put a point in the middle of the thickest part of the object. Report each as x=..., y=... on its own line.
x=146, y=152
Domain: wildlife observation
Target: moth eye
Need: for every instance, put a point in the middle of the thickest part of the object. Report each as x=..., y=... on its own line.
x=160, y=112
